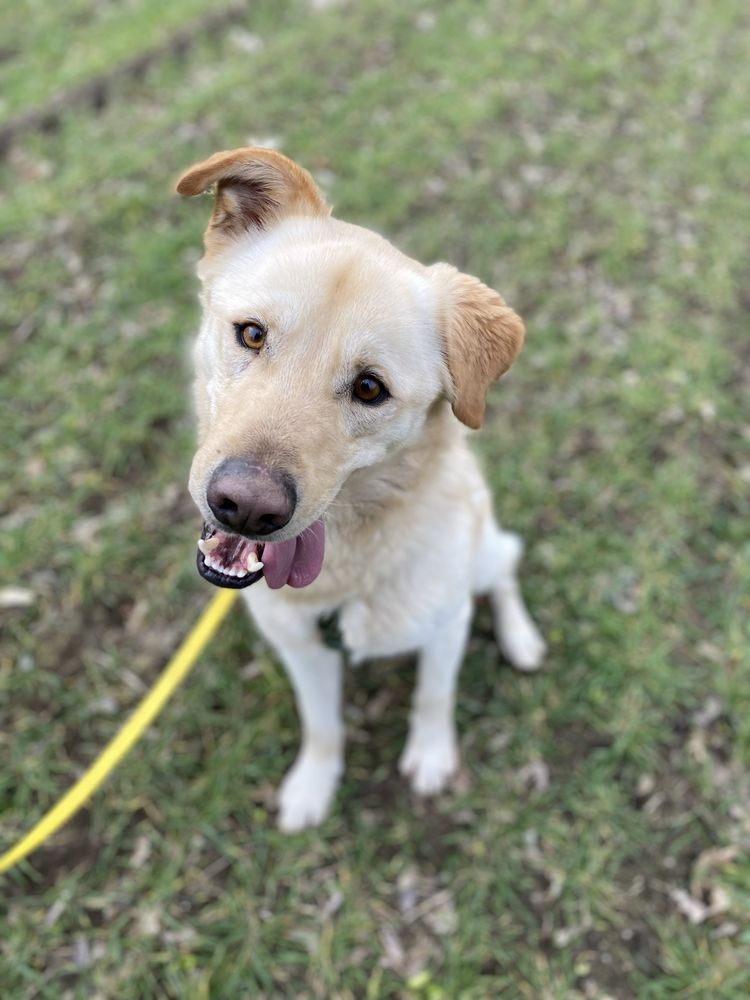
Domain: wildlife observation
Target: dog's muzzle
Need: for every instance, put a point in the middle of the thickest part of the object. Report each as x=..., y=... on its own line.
x=233, y=561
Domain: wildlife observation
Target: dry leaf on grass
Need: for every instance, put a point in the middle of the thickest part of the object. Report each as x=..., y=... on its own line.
x=16, y=597
x=534, y=776
x=695, y=910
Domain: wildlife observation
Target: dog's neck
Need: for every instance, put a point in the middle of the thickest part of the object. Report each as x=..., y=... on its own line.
x=370, y=493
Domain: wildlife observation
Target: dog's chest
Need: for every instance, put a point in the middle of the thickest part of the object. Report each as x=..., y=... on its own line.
x=386, y=605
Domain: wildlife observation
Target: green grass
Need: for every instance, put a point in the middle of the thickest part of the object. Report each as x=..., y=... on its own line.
x=590, y=160
x=50, y=46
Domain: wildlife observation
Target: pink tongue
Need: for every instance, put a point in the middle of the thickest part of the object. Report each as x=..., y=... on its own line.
x=296, y=562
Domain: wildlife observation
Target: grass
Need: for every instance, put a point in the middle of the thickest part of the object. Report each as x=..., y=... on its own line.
x=50, y=46
x=590, y=161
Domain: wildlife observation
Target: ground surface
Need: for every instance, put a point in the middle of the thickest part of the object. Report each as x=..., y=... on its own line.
x=590, y=160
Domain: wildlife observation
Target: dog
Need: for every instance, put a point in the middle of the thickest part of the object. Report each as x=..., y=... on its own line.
x=335, y=380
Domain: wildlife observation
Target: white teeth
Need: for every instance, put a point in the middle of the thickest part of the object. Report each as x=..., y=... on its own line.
x=253, y=563
x=207, y=545
x=226, y=570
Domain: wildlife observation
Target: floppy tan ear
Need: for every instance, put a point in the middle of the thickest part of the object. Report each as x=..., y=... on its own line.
x=254, y=188
x=481, y=338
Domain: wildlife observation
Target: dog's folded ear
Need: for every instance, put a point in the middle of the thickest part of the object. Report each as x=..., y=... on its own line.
x=253, y=189
x=481, y=338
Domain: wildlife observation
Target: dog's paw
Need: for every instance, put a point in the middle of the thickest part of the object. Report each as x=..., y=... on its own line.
x=522, y=645
x=307, y=791
x=429, y=763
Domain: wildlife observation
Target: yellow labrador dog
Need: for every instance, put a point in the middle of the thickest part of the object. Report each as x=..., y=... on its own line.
x=335, y=378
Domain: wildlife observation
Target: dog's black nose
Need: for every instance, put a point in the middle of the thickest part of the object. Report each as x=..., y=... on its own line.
x=251, y=499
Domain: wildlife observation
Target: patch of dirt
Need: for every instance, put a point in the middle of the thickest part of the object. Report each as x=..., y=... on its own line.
x=574, y=744
x=611, y=960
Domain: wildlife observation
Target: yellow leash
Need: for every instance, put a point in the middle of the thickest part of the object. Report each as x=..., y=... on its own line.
x=150, y=706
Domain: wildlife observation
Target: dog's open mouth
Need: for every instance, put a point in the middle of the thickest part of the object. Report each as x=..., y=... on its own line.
x=234, y=561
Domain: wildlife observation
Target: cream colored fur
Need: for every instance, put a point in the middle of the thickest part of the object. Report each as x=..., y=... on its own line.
x=410, y=533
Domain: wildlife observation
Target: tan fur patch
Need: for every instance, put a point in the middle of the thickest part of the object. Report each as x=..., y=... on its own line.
x=253, y=187
x=341, y=282
x=481, y=337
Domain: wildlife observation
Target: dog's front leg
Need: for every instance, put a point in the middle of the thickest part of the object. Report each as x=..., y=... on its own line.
x=430, y=756
x=307, y=790
x=315, y=672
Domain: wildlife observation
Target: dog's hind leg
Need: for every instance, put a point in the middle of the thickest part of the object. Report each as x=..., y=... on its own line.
x=495, y=574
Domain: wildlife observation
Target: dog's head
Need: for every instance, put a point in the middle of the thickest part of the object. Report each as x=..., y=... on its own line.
x=322, y=350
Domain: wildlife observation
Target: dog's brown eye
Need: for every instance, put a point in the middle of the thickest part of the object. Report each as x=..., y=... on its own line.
x=368, y=389
x=250, y=335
